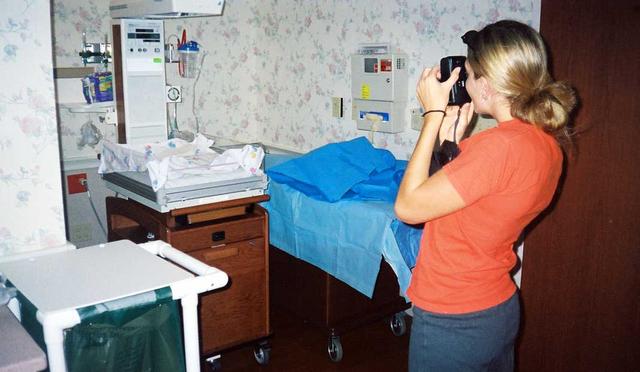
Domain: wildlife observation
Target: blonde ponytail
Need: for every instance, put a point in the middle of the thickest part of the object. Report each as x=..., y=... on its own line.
x=547, y=107
x=512, y=56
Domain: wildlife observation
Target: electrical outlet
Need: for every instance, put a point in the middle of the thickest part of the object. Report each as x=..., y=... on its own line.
x=416, y=118
x=77, y=183
x=336, y=107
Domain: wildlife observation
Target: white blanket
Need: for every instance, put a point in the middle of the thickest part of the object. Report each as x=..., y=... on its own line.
x=178, y=163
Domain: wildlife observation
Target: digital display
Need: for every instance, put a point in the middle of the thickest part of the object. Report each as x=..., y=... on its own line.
x=145, y=36
x=371, y=65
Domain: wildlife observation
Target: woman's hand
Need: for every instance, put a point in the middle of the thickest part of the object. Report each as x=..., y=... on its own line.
x=433, y=94
x=447, y=127
x=422, y=197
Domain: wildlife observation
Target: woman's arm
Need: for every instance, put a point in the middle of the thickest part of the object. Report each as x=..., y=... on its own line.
x=420, y=197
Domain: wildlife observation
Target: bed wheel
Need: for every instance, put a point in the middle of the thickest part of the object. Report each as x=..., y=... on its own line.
x=398, y=324
x=335, y=349
x=262, y=352
x=214, y=364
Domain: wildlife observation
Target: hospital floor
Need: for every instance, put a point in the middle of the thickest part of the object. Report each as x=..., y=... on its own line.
x=299, y=347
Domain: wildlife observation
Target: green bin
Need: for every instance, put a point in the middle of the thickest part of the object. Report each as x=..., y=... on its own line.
x=132, y=334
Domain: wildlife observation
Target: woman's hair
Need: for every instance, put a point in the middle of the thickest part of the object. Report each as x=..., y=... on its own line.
x=512, y=56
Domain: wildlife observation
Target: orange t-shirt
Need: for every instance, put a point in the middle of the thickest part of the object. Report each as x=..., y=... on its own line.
x=506, y=176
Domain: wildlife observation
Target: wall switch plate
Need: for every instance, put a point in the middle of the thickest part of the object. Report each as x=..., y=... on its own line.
x=337, y=107
x=416, y=118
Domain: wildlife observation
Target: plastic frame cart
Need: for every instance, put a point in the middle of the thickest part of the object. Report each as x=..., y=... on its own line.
x=58, y=284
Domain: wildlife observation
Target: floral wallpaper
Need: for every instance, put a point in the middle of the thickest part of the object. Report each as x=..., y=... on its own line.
x=70, y=19
x=270, y=68
x=269, y=71
x=30, y=183
x=273, y=66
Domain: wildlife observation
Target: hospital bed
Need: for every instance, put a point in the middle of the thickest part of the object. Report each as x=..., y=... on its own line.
x=335, y=265
x=60, y=293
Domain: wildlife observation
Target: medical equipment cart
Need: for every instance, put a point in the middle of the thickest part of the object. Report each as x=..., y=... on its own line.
x=61, y=286
x=231, y=235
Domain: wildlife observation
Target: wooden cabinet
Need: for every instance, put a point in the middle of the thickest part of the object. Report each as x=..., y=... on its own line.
x=230, y=235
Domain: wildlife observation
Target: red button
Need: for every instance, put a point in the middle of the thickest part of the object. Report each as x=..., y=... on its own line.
x=386, y=65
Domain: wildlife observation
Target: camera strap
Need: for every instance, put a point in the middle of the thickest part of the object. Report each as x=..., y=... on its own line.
x=448, y=150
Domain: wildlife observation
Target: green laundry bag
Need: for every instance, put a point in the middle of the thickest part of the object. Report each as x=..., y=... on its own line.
x=135, y=334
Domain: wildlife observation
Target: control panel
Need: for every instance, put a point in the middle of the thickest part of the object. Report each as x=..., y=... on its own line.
x=143, y=81
x=379, y=88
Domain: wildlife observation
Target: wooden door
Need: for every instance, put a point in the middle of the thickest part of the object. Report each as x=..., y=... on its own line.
x=581, y=281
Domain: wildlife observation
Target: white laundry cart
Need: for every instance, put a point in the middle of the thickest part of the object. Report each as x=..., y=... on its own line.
x=60, y=287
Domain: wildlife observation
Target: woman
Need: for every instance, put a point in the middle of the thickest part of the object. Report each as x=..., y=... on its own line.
x=466, y=309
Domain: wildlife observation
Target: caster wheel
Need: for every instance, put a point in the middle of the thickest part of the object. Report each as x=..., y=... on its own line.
x=398, y=324
x=335, y=349
x=214, y=364
x=262, y=353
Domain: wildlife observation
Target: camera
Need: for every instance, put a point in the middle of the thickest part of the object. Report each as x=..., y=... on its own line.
x=458, y=95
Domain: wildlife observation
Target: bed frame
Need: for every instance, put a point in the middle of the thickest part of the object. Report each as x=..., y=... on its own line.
x=321, y=300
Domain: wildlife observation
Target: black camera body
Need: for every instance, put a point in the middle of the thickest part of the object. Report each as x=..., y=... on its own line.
x=458, y=95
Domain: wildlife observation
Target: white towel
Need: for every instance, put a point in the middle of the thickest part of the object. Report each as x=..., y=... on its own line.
x=179, y=163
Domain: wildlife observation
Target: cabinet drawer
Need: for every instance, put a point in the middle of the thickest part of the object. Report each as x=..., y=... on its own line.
x=239, y=312
x=199, y=237
x=233, y=258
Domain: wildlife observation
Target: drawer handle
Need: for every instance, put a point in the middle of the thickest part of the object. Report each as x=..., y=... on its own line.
x=217, y=236
x=221, y=253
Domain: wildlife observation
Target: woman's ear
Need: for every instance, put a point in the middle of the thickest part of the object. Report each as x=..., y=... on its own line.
x=486, y=90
